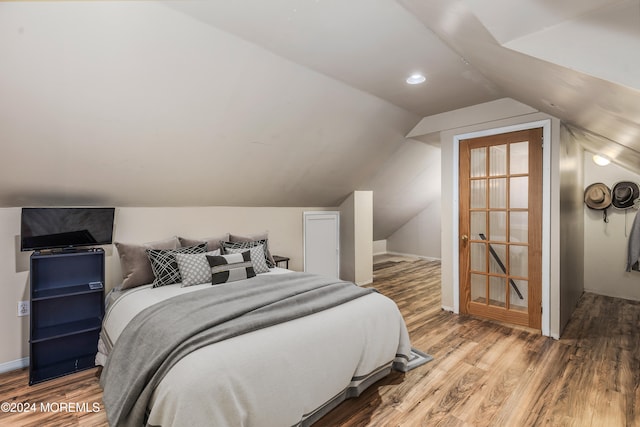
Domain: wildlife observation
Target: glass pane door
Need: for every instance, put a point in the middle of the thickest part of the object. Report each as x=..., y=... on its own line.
x=496, y=222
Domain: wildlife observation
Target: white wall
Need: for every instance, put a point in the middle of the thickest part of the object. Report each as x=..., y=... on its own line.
x=363, y=220
x=14, y=287
x=138, y=225
x=356, y=238
x=420, y=235
x=407, y=182
x=347, y=239
x=379, y=247
x=605, y=245
x=571, y=224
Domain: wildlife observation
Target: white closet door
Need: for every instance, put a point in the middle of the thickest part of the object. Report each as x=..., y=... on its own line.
x=322, y=243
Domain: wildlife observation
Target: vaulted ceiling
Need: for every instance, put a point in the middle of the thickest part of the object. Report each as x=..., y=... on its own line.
x=574, y=59
x=289, y=102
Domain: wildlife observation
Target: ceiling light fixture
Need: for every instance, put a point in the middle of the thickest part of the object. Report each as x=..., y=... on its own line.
x=416, y=78
x=601, y=160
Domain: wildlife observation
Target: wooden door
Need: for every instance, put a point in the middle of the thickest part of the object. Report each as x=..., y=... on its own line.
x=322, y=243
x=501, y=227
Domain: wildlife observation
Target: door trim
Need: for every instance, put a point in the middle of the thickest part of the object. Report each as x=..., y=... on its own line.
x=546, y=212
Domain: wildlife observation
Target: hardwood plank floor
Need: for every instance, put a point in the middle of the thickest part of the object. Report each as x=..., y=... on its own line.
x=490, y=374
x=483, y=374
x=81, y=388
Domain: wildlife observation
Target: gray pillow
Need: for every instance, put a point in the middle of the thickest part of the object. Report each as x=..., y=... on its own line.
x=135, y=264
x=194, y=268
x=213, y=243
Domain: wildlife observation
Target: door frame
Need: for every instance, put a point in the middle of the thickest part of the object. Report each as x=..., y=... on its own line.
x=546, y=212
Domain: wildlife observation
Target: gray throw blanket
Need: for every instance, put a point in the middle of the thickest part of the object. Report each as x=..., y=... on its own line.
x=159, y=336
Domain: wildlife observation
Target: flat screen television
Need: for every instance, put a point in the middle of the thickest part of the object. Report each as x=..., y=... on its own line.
x=66, y=228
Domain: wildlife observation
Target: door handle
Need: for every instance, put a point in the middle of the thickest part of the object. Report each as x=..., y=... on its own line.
x=464, y=238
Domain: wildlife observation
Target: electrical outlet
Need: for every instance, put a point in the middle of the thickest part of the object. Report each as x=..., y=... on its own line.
x=23, y=308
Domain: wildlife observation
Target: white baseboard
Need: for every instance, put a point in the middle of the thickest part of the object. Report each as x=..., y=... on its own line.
x=365, y=283
x=447, y=308
x=13, y=365
x=412, y=255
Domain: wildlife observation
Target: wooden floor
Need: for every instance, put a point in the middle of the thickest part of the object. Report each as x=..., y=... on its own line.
x=483, y=374
x=488, y=374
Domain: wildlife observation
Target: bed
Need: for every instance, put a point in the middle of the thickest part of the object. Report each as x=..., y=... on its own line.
x=271, y=369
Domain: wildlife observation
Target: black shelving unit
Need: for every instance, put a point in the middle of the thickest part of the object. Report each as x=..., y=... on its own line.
x=67, y=307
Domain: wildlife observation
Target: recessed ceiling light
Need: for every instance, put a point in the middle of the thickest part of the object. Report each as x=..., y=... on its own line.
x=416, y=78
x=600, y=160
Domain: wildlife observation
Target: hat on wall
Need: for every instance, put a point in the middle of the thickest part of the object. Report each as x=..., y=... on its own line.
x=624, y=194
x=597, y=196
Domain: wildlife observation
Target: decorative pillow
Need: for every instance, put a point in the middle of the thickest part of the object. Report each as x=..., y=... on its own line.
x=165, y=266
x=232, y=267
x=247, y=245
x=194, y=268
x=135, y=264
x=255, y=237
x=257, y=257
x=213, y=243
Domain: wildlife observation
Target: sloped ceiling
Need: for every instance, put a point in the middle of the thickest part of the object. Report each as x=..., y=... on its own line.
x=576, y=60
x=288, y=102
x=370, y=45
x=136, y=104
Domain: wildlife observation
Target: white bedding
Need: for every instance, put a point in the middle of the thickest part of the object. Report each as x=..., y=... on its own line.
x=275, y=376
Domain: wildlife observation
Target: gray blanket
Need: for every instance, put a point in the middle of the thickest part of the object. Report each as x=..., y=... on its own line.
x=161, y=335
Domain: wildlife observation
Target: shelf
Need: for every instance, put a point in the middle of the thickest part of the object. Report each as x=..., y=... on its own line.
x=65, y=329
x=66, y=313
x=62, y=291
x=60, y=369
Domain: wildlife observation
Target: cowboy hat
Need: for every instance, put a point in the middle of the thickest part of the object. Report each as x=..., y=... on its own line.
x=624, y=194
x=597, y=196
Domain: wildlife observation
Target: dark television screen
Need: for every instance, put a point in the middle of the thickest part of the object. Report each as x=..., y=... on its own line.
x=51, y=228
